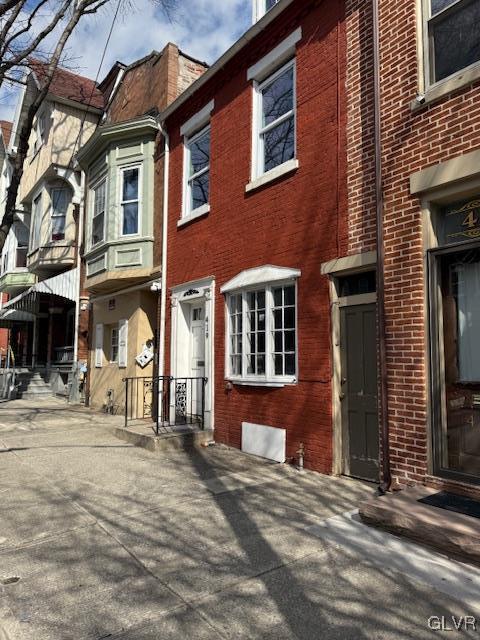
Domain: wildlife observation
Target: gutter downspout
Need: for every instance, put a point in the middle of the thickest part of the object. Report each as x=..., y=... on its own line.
x=382, y=350
x=163, y=293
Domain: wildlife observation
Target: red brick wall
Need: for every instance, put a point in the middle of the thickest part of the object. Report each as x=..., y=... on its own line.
x=360, y=127
x=411, y=141
x=153, y=83
x=298, y=222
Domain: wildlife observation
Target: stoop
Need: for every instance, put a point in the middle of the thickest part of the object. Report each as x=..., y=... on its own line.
x=142, y=435
x=455, y=534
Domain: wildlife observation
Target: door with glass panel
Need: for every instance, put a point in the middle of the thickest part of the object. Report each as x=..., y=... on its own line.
x=197, y=356
x=455, y=311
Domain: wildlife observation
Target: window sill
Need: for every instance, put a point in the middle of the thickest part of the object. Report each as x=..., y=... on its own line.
x=275, y=384
x=198, y=213
x=273, y=174
x=444, y=87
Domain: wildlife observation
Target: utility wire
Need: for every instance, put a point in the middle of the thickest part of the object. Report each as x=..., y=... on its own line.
x=89, y=102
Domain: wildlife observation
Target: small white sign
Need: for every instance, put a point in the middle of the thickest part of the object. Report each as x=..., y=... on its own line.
x=145, y=357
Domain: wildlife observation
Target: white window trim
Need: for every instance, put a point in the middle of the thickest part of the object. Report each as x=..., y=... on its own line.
x=269, y=379
x=198, y=121
x=187, y=213
x=259, y=278
x=33, y=246
x=435, y=89
x=92, y=190
x=121, y=171
x=275, y=58
x=260, y=9
x=258, y=175
x=57, y=215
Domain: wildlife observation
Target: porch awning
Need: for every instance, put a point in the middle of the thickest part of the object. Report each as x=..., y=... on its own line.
x=65, y=286
x=8, y=317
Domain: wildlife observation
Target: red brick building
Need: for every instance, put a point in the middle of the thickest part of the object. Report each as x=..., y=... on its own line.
x=257, y=204
x=429, y=73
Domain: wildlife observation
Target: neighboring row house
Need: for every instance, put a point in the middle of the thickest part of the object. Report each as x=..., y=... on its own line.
x=430, y=113
x=40, y=263
x=123, y=162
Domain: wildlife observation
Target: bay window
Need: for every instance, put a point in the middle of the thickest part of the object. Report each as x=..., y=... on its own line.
x=98, y=217
x=130, y=200
x=262, y=333
x=452, y=37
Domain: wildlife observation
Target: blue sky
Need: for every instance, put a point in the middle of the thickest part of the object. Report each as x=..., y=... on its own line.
x=202, y=28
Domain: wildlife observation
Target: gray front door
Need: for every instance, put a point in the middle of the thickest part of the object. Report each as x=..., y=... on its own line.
x=359, y=391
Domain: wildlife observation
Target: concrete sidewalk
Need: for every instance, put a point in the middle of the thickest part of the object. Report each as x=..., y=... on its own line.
x=99, y=539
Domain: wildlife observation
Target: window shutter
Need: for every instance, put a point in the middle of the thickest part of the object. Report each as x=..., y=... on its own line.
x=99, y=345
x=122, y=343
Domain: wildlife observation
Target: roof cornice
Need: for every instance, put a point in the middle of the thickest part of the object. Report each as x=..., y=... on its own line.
x=105, y=134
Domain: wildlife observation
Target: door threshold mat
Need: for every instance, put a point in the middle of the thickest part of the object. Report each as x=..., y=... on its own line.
x=452, y=502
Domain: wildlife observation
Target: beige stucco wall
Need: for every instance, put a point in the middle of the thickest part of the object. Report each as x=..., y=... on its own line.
x=139, y=308
x=62, y=129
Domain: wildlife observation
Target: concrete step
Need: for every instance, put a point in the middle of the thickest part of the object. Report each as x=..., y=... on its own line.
x=144, y=437
x=401, y=513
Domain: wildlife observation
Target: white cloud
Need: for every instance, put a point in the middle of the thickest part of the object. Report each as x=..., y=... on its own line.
x=202, y=28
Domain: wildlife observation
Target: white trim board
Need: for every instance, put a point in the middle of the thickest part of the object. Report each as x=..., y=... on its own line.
x=260, y=275
x=275, y=57
x=198, y=120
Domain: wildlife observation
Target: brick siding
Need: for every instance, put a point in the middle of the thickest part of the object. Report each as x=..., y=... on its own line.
x=295, y=222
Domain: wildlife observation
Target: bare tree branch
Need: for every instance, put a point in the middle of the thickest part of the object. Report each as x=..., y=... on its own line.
x=17, y=43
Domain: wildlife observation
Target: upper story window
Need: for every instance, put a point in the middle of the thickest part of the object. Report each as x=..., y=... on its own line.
x=98, y=212
x=39, y=132
x=5, y=262
x=36, y=221
x=275, y=125
x=274, y=112
x=261, y=7
x=262, y=327
x=60, y=201
x=130, y=202
x=198, y=171
x=196, y=174
x=453, y=37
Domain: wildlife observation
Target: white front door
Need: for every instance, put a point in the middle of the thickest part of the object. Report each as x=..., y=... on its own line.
x=197, y=355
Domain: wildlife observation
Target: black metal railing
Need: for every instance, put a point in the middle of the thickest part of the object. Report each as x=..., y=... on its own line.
x=165, y=401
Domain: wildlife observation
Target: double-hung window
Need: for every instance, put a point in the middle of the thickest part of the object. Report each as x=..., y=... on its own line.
x=262, y=333
x=197, y=187
x=130, y=200
x=36, y=222
x=114, y=344
x=275, y=125
x=39, y=132
x=60, y=201
x=98, y=213
x=452, y=37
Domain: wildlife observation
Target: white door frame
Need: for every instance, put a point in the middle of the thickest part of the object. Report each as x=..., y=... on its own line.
x=183, y=297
